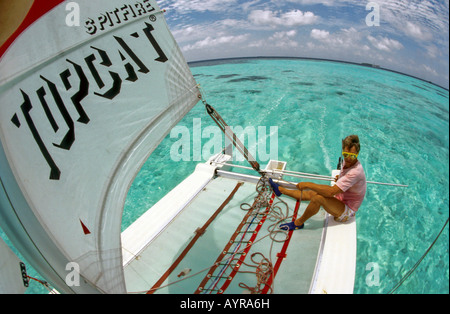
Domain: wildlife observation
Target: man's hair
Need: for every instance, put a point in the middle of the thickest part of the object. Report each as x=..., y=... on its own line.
x=351, y=141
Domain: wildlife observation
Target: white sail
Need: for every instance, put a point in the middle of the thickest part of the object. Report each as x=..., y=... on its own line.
x=11, y=273
x=82, y=108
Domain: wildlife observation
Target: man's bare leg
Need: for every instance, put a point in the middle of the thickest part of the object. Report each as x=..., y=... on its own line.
x=332, y=205
x=296, y=193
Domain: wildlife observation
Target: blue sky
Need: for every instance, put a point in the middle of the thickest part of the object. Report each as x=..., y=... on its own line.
x=412, y=36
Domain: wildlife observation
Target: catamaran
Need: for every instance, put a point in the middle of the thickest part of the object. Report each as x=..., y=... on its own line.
x=83, y=105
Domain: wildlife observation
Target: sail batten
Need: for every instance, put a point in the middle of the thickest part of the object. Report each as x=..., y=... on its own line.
x=79, y=124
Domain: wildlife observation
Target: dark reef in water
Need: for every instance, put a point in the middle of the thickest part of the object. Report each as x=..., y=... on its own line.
x=249, y=59
x=224, y=76
x=252, y=91
x=252, y=78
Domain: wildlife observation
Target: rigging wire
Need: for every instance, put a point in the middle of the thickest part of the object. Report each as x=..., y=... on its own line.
x=305, y=175
x=215, y=116
x=45, y=284
x=409, y=273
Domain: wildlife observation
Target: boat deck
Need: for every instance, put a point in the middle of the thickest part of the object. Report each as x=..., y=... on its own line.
x=150, y=248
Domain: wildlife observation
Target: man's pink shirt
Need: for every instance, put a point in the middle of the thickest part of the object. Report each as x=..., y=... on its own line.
x=352, y=181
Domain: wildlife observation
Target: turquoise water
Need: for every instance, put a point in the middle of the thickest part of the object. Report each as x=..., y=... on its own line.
x=403, y=125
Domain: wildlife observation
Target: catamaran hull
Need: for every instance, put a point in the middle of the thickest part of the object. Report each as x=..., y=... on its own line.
x=317, y=259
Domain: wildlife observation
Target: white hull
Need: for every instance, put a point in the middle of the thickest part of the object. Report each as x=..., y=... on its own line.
x=319, y=259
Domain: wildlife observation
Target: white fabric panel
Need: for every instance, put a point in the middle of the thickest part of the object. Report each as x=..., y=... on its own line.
x=10, y=273
x=81, y=113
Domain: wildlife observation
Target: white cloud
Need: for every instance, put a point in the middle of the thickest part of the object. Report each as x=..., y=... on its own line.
x=264, y=27
x=424, y=20
x=345, y=38
x=288, y=19
x=432, y=51
x=310, y=2
x=320, y=34
x=189, y=33
x=284, y=39
x=194, y=32
x=246, y=5
x=417, y=32
x=384, y=43
x=297, y=18
x=212, y=42
x=351, y=42
x=183, y=6
x=421, y=20
x=287, y=34
x=430, y=70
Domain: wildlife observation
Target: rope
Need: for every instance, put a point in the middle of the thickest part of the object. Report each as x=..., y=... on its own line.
x=241, y=250
x=198, y=233
x=264, y=269
x=274, y=212
x=44, y=283
x=409, y=273
x=263, y=272
x=282, y=254
x=253, y=212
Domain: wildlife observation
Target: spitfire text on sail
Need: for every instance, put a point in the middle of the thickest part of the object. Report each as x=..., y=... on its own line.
x=118, y=15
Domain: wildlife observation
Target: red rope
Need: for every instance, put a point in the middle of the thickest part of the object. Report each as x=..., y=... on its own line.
x=282, y=255
x=198, y=233
x=247, y=249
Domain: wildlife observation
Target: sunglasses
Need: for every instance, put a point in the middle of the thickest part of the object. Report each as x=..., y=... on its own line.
x=353, y=156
